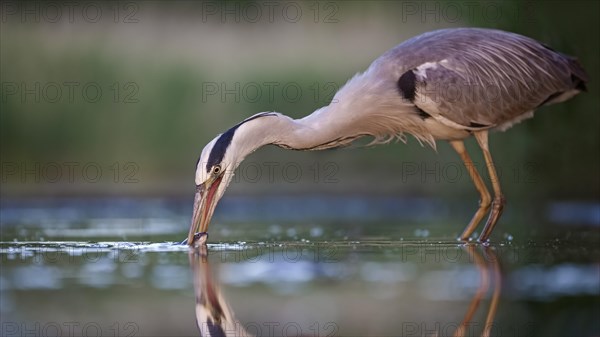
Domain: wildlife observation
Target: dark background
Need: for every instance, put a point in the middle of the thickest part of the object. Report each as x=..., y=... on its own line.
x=119, y=99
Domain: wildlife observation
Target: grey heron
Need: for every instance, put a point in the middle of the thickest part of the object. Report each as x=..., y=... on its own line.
x=448, y=84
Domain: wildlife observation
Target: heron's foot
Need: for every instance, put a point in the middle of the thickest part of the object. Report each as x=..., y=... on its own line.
x=200, y=238
x=497, y=208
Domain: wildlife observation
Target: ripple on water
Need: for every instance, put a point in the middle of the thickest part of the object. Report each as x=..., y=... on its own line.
x=27, y=248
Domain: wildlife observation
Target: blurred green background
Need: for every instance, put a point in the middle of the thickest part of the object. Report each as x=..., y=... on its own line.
x=120, y=98
x=106, y=106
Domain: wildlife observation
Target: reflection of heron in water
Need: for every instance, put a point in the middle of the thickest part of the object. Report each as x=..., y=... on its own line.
x=489, y=268
x=214, y=316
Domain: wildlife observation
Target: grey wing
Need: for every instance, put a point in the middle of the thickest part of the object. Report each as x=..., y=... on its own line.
x=494, y=82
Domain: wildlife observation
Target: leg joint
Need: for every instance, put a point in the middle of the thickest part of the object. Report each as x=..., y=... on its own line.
x=500, y=199
x=499, y=202
x=485, y=200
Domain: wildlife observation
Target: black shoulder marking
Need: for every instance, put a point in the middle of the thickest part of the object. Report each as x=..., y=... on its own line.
x=477, y=125
x=424, y=115
x=221, y=145
x=407, y=85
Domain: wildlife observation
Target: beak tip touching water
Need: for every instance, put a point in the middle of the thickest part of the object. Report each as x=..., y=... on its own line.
x=205, y=202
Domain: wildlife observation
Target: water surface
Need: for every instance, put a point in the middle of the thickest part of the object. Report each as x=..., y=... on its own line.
x=113, y=272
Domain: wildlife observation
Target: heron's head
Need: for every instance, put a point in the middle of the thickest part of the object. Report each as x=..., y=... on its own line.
x=216, y=167
x=213, y=174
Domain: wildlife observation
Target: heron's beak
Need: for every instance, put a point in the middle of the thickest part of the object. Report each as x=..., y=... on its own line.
x=204, y=206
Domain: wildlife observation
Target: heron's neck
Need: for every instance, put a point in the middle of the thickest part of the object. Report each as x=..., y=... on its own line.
x=313, y=132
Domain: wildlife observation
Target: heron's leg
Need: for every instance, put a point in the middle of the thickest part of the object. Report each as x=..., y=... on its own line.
x=499, y=201
x=485, y=200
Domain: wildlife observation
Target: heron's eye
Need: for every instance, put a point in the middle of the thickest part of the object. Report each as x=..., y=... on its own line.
x=216, y=169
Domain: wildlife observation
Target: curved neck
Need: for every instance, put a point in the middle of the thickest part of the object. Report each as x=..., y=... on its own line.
x=314, y=132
